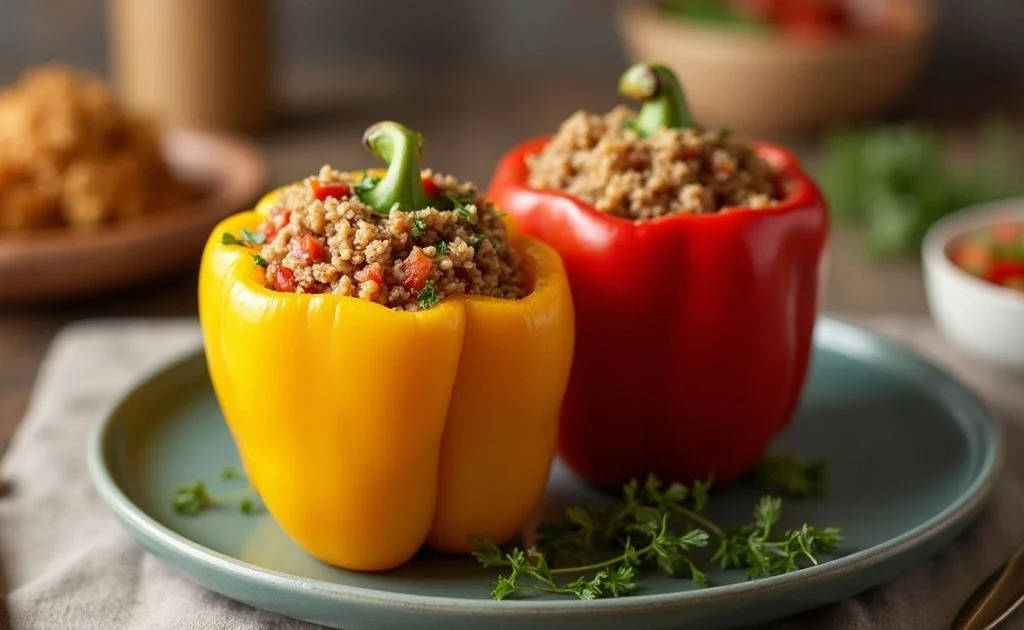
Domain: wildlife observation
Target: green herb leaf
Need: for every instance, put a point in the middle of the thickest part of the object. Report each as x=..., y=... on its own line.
x=253, y=238
x=260, y=261
x=249, y=239
x=463, y=211
x=476, y=240
x=487, y=553
x=230, y=239
x=607, y=547
x=715, y=12
x=428, y=296
x=500, y=214
x=419, y=227
x=191, y=499
x=896, y=181
x=442, y=248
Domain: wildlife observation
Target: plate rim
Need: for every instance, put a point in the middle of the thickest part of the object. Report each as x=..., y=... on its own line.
x=951, y=519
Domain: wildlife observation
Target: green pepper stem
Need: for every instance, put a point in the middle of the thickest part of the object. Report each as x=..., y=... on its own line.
x=664, y=104
x=400, y=148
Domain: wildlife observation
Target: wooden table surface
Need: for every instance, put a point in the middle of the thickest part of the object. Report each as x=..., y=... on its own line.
x=466, y=126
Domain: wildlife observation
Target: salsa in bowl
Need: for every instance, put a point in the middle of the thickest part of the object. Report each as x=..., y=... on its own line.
x=974, y=280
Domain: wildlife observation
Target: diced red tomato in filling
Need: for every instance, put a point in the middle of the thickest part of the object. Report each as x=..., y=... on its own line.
x=415, y=270
x=371, y=272
x=323, y=191
x=284, y=279
x=267, y=228
x=308, y=249
x=278, y=218
x=281, y=217
x=430, y=187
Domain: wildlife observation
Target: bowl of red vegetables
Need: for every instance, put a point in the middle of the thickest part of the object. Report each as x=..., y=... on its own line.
x=767, y=67
x=974, y=280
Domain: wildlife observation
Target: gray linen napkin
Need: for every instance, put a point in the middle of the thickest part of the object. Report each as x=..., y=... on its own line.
x=67, y=564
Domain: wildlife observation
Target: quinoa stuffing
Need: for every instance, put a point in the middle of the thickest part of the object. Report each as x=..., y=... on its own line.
x=601, y=161
x=653, y=162
x=323, y=237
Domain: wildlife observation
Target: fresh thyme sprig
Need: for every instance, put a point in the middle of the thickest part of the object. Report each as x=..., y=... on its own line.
x=652, y=527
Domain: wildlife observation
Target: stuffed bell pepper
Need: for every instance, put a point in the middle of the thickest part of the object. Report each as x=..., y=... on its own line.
x=694, y=261
x=390, y=356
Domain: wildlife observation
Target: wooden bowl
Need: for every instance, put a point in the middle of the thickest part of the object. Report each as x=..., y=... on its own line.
x=57, y=264
x=763, y=84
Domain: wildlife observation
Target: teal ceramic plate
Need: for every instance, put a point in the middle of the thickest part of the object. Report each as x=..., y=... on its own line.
x=912, y=455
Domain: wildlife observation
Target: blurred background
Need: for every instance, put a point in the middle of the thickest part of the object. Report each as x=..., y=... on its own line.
x=932, y=101
x=974, y=39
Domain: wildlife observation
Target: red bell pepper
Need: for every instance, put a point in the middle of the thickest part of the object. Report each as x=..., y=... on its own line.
x=694, y=332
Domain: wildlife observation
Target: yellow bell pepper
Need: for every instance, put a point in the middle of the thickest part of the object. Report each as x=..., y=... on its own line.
x=369, y=432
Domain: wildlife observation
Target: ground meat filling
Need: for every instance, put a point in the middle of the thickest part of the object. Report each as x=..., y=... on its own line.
x=596, y=159
x=320, y=238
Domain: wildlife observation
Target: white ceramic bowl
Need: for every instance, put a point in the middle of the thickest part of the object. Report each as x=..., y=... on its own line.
x=984, y=319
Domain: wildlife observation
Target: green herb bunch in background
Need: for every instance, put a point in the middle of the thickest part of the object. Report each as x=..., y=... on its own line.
x=896, y=181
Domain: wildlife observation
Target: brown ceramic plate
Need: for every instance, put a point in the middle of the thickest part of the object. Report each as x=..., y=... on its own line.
x=54, y=264
x=763, y=85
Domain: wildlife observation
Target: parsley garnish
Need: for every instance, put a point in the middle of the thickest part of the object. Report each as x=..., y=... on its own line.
x=442, y=248
x=260, y=260
x=256, y=238
x=724, y=134
x=230, y=239
x=249, y=239
x=606, y=548
x=419, y=227
x=463, y=212
x=428, y=296
x=192, y=498
x=476, y=240
x=500, y=213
